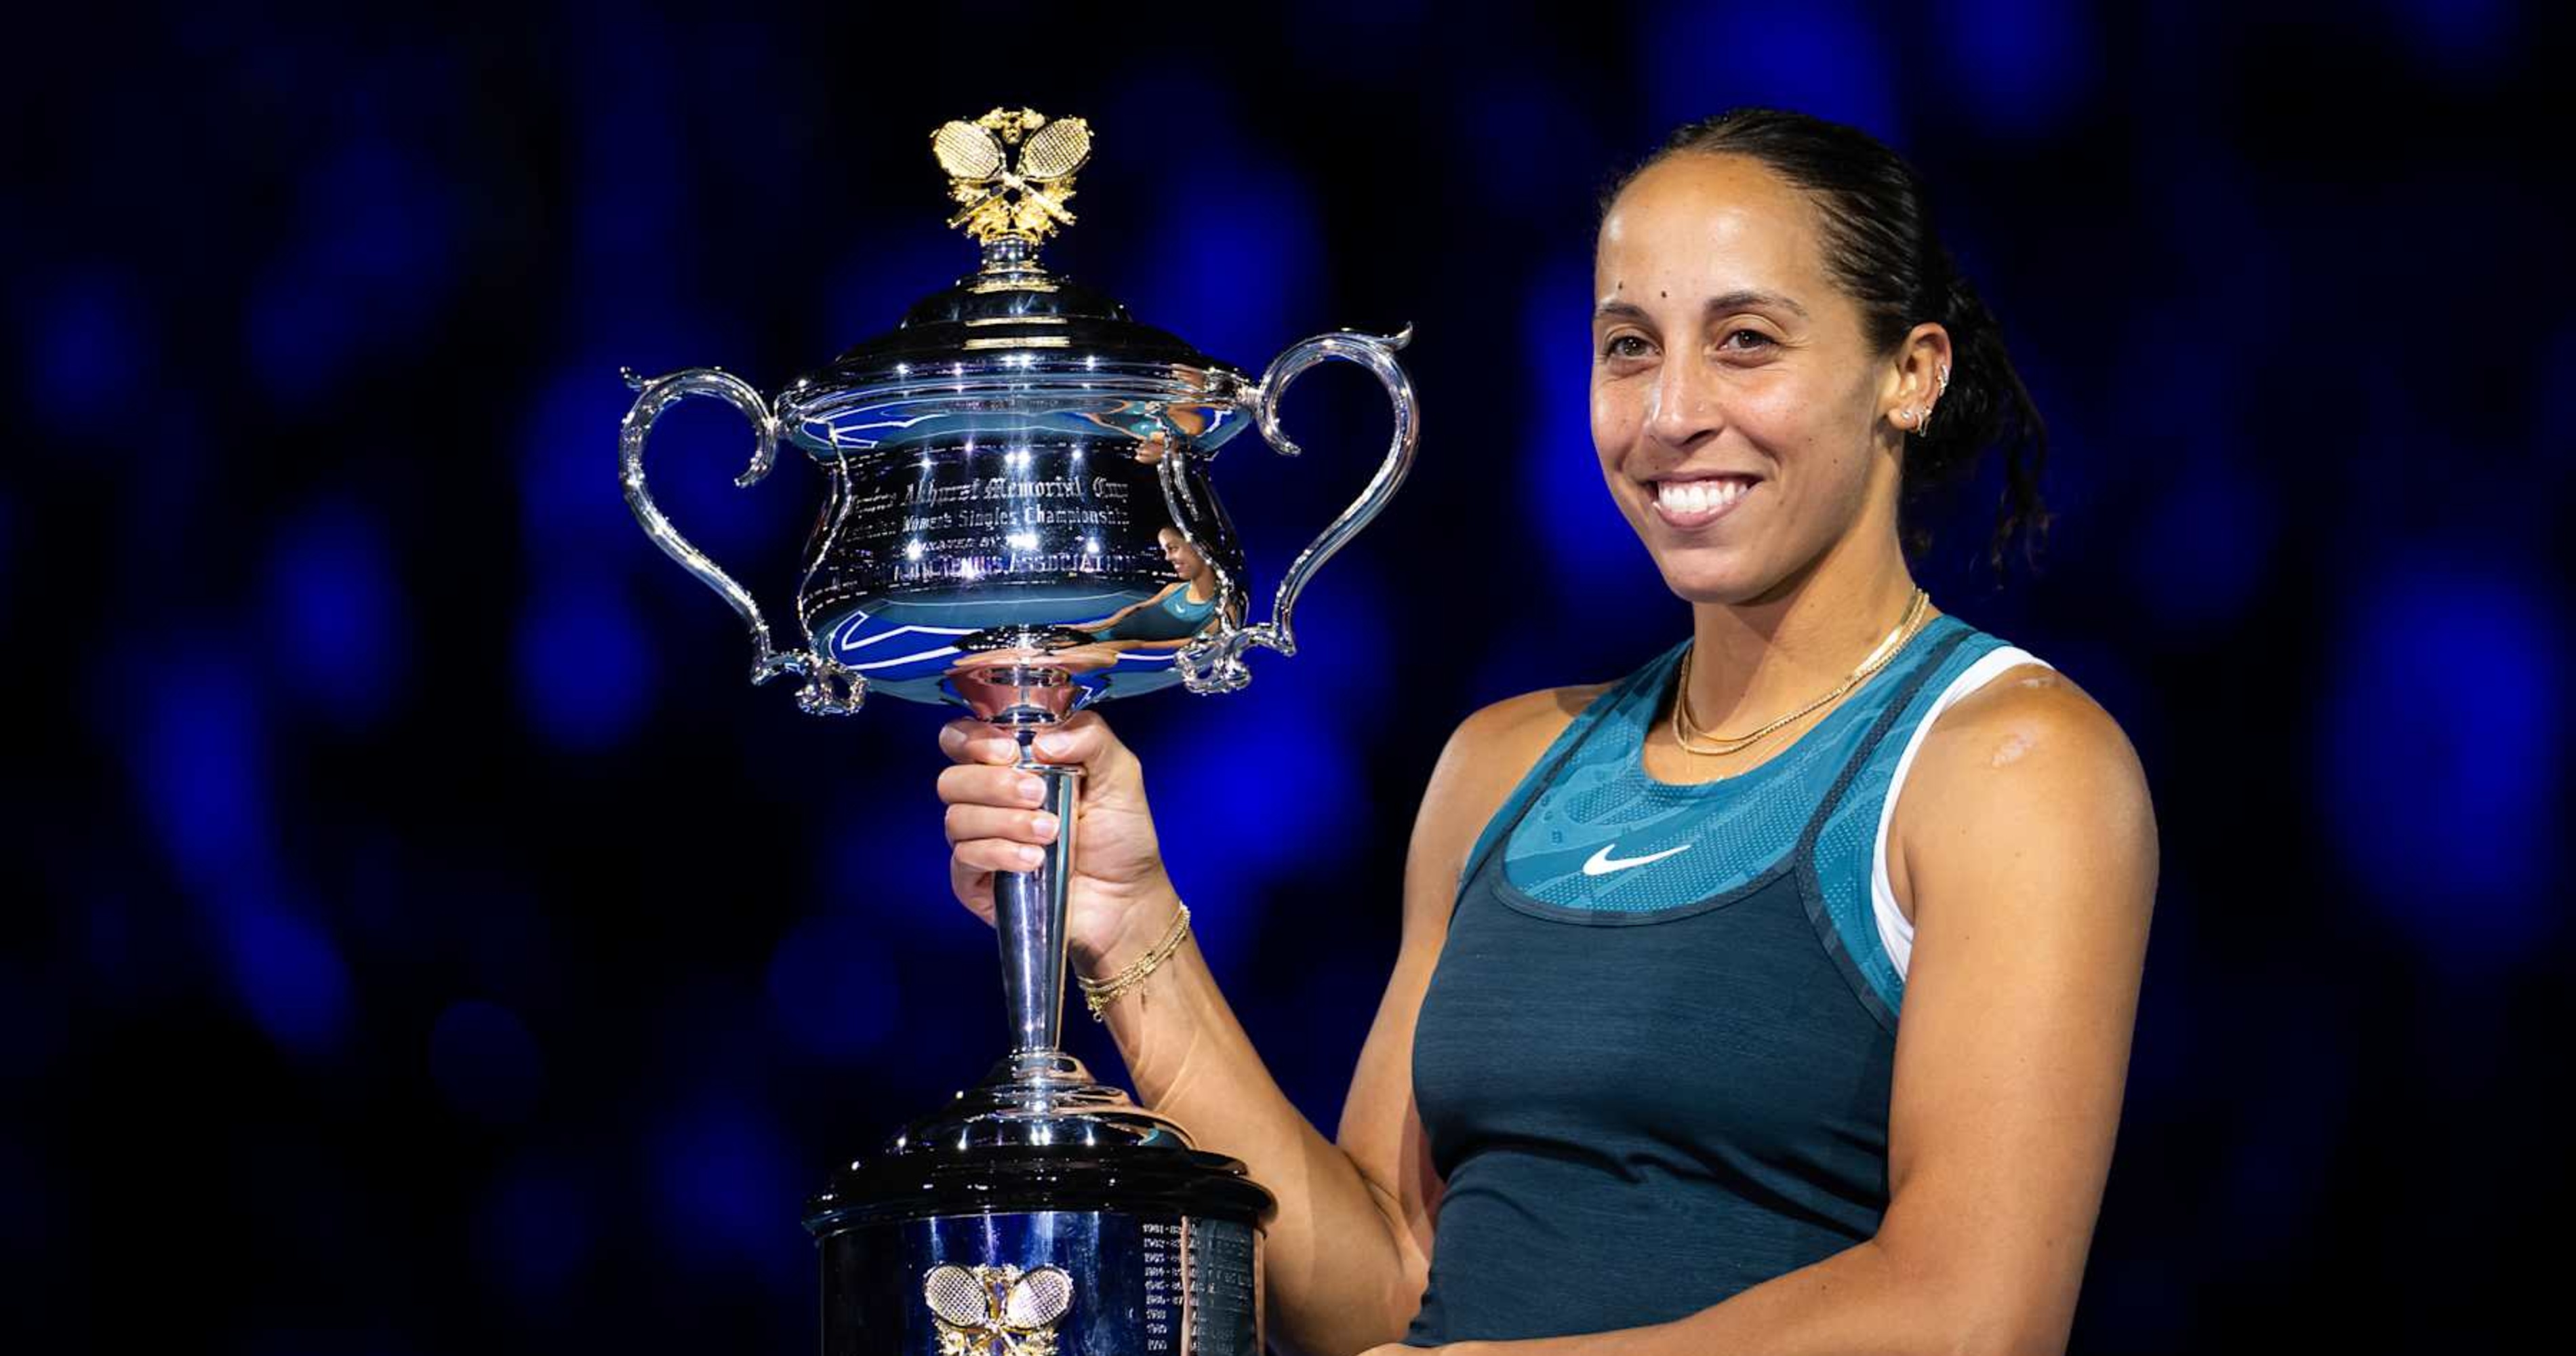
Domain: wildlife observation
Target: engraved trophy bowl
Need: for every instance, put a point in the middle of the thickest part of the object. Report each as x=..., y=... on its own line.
x=1019, y=521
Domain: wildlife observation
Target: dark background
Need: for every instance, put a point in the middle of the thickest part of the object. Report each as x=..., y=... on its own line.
x=421, y=939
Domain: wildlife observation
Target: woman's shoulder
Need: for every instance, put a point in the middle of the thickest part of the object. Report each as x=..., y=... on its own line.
x=2030, y=735
x=1493, y=752
x=2017, y=705
x=1528, y=723
x=1541, y=716
x=1495, y=746
x=1487, y=756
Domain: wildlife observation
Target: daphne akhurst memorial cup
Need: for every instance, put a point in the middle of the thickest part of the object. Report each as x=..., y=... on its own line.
x=1019, y=520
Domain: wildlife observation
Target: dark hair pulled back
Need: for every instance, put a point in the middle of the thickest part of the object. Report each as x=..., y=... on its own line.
x=1881, y=248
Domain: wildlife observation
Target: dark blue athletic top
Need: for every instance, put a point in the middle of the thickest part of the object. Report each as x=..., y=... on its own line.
x=1654, y=1058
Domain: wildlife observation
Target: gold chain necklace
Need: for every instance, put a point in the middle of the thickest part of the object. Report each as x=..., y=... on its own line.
x=1684, y=727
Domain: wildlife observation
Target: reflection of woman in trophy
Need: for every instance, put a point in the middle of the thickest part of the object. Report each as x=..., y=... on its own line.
x=1638, y=1081
x=1172, y=616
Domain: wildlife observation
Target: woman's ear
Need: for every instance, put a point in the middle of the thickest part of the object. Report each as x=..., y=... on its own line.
x=1917, y=378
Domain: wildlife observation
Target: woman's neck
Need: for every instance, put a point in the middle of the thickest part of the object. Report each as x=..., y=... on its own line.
x=1754, y=662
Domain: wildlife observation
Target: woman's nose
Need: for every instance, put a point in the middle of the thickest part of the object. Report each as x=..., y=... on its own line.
x=1682, y=406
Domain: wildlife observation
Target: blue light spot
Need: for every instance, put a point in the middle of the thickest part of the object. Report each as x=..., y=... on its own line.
x=533, y=1231
x=199, y=749
x=287, y=972
x=486, y=1063
x=336, y=613
x=1596, y=566
x=2022, y=64
x=569, y=501
x=1826, y=58
x=301, y=332
x=368, y=263
x=2204, y=545
x=722, y=1184
x=2465, y=36
x=1344, y=640
x=831, y=992
x=633, y=196
x=1528, y=143
x=1235, y=272
x=886, y=273
x=2453, y=839
x=585, y=673
x=572, y=507
x=887, y=853
x=1248, y=791
x=88, y=342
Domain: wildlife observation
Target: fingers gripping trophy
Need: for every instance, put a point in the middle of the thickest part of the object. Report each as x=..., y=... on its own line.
x=1019, y=521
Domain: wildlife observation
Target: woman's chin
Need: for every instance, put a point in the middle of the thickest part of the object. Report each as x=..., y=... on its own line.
x=1728, y=579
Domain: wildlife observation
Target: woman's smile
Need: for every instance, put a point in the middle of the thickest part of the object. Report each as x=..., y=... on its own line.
x=1690, y=502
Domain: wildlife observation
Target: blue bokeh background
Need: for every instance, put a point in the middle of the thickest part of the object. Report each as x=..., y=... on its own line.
x=422, y=940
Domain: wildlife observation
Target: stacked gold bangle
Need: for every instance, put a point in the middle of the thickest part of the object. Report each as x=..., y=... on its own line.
x=1098, y=994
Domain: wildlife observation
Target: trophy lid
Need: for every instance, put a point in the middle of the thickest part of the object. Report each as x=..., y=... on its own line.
x=1011, y=336
x=1038, y=1134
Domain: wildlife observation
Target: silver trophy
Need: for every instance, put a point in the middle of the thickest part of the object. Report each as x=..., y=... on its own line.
x=1019, y=522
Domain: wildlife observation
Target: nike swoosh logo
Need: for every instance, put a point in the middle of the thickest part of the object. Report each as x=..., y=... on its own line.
x=1603, y=863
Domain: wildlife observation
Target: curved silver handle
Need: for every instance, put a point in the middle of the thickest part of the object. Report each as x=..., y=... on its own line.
x=1214, y=662
x=831, y=689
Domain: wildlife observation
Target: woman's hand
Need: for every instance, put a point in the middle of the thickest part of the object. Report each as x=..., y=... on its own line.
x=1119, y=901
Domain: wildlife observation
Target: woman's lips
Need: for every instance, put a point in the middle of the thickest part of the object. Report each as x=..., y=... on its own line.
x=1699, y=500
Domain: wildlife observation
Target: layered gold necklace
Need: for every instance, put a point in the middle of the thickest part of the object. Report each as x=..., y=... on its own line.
x=1684, y=728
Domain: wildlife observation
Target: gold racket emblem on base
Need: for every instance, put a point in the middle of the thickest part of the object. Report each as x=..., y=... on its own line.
x=997, y=1311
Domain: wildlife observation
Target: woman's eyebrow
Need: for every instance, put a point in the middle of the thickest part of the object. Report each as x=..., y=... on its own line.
x=1742, y=297
x=1736, y=300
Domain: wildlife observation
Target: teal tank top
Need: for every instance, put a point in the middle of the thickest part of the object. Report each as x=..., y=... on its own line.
x=1174, y=616
x=1654, y=1058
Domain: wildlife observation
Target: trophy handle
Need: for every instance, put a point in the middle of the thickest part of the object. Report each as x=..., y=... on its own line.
x=831, y=688
x=1214, y=662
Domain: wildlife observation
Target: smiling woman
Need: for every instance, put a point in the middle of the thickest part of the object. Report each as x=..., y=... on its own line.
x=1806, y=1037
x=1738, y=1145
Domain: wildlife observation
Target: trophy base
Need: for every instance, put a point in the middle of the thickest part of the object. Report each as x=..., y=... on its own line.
x=1041, y=1202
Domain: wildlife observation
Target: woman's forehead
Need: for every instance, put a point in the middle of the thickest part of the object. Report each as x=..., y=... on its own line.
x=1697, y=226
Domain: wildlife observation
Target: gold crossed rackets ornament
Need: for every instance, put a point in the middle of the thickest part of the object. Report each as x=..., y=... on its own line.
x=1001, y=196
x=997, y=1310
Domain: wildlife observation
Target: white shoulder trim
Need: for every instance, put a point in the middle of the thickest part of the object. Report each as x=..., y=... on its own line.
x=1894, y=931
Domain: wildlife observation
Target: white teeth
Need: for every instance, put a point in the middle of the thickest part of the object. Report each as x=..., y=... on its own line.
x=1699, y=496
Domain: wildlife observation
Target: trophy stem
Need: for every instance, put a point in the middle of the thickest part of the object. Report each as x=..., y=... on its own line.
x=1028, y=915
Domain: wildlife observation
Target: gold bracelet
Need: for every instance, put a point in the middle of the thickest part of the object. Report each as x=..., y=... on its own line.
x=1099, y=994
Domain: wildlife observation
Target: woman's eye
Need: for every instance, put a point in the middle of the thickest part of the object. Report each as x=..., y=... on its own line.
x=1624, y=346
x=1733, y=335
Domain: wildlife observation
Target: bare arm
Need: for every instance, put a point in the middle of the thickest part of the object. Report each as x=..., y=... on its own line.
x=2032, y=874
